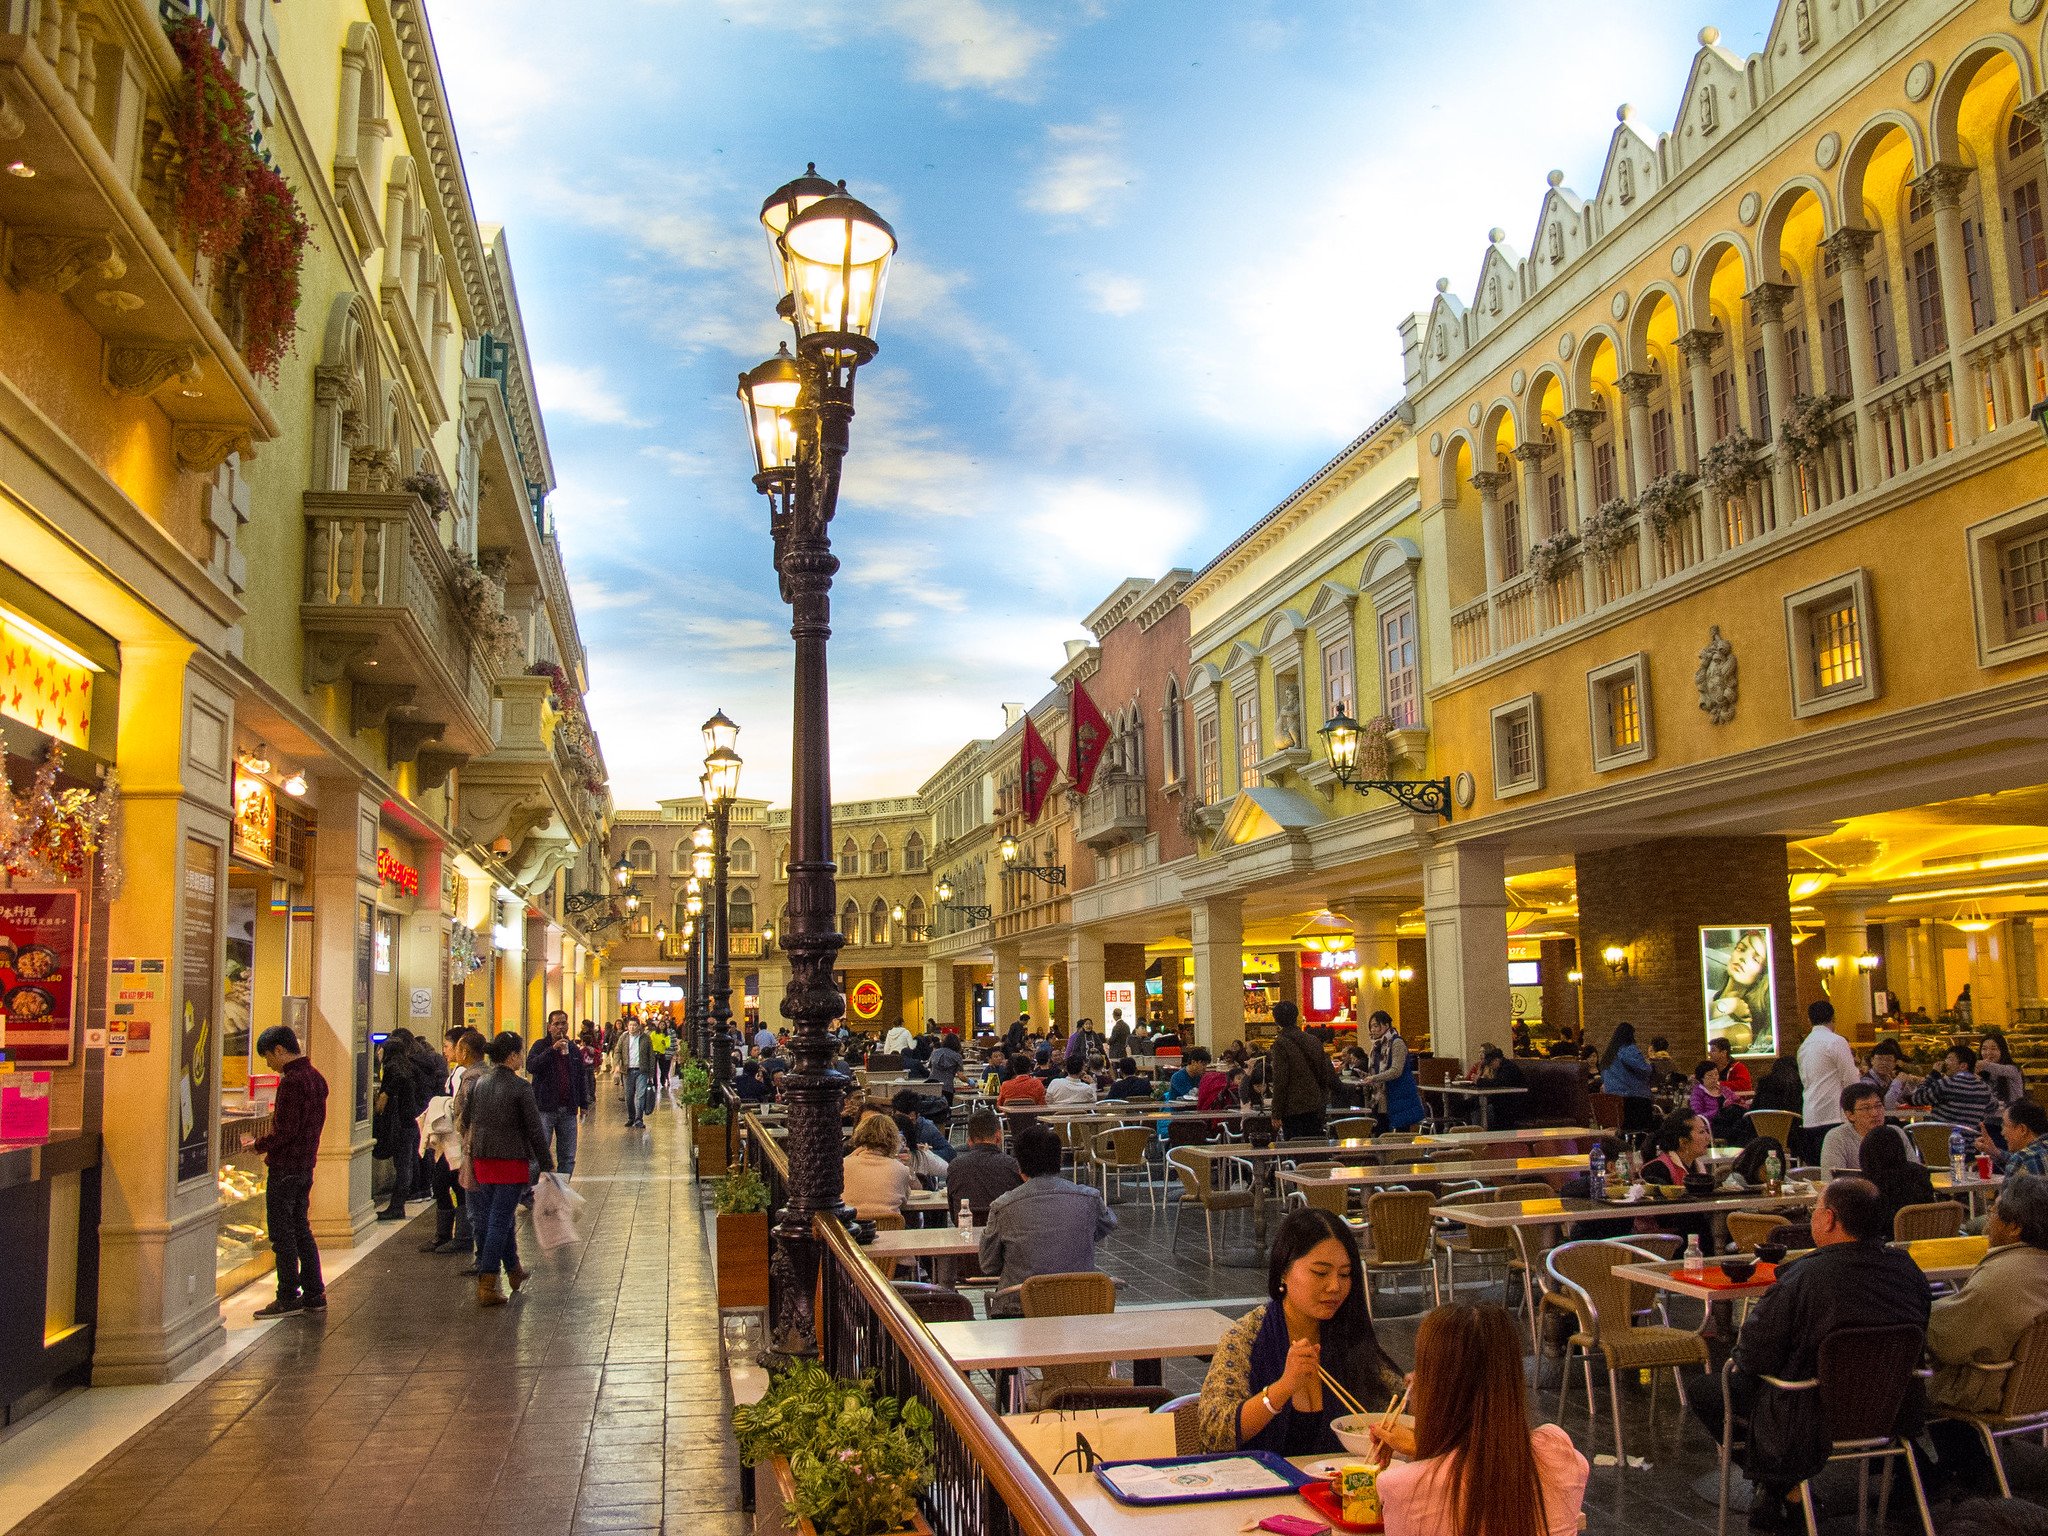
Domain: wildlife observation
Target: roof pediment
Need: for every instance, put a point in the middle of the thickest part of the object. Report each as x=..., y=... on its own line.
x=1716, y=99
x=1266, y=811
x=1561, y=232
x=1632, y=173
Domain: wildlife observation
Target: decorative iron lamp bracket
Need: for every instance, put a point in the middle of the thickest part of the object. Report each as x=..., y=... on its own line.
x=1051, y=874
x=1431, y=797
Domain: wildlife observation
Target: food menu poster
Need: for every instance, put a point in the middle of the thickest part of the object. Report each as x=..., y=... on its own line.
x=38, y=974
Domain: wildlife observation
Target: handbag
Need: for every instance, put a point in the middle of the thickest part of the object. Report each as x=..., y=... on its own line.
x=647, y=1095
x=1063, y=1441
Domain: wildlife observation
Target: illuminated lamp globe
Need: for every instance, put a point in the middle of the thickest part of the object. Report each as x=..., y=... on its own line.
x=945, y=890
x=721, y=776
x=1340, y=741
x=1008, y=849
x=693, y=904
x=720, y=731
x=838, y=251
x=768, y=394
x=784, y=204
x=703, y=836
x=661, y=933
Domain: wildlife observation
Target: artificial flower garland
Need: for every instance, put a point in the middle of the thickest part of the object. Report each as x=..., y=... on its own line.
x=51, y=835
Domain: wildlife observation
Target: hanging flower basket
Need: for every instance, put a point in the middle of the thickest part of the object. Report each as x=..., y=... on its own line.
x=1611, y=531
x=1668, y=501
x=428, y=487
x=1733, y=464
x=1811, y=427
x=480, y=601
x=1555, y=558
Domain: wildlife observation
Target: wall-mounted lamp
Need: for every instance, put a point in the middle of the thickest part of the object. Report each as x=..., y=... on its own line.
x=1575, y=977
x=1616, y=957
x=1866, y=963
x=1828, y=963
x=1389, y=974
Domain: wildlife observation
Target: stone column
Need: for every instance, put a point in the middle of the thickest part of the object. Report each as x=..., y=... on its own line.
x=1944, y=185
x=938, y=997
x=1375, y=936
x=1039, y=1001
x=774, y=978
x=343, y=879
x=1697, y=348
x=1635, y=389
x=1849, y=246
x=1767, y=303
x=1005, y=961
x=1218, y=935
x=2026, y=974
x=1465, y=930
x=1488, y=483
x=1530, y=456
x=1846, y=934
x=1086, y=972
x=1580, y=424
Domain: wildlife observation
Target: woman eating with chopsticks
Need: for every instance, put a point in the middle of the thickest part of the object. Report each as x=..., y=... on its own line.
x=1308, y=1356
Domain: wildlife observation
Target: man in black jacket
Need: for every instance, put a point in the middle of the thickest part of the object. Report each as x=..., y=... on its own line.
x=562, y=1088
x=1303, y=1079
x=1851, y=1280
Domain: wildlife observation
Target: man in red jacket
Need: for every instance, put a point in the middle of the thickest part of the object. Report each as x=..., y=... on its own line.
x=291, y=1146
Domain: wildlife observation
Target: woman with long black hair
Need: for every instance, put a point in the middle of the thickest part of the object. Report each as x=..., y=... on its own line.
x=1266, y=1389
x=1625, y=1073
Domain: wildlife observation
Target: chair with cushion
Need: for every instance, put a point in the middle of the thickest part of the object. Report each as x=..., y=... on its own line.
x=2023, y=1398
x=1778, y=1124
x=1862, y=1379
x=1399, y=1238
x=1198, y=1185
x=1938, y=1218
x=1605, y=1309
x=1119, y=1154
x=1748, y=1228
x=935, y=1303
x=1081, y=1294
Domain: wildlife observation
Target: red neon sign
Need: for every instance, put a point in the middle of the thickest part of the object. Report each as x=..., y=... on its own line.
x=394, y=871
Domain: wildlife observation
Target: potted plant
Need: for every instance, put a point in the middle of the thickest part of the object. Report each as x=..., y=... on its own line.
x=1733, y=464
x=1811, y=427
x=847, y=1461
x=1611, y=530
x=741, y=1201
x=708, y=1130
x=1555, y=558
x=1668, y=501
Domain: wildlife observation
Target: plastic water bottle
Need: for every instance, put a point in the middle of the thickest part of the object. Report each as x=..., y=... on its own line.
x=1596, y=1172
x=1958, y=1155
x=1774, y=1175
x=1695, y=1261
x=966, y=1217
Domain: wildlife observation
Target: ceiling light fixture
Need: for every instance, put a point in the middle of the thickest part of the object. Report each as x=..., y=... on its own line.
x=1966, y=892
x=295, y=786
x=22, y=169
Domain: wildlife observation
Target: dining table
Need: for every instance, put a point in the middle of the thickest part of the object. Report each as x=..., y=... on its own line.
x=1943, y=1260
x=1104, y=1515
x=1145, y=1336
x=1484, y=1093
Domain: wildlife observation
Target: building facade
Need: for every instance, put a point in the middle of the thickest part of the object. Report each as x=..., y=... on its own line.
x=647, y=968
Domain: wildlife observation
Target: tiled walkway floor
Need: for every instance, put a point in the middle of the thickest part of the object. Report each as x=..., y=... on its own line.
x=593, y=1402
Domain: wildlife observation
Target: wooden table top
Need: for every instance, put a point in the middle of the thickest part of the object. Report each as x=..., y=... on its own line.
x=1156, y=1333
x=1426, y=1173
x=1945, y=1258
x=926, y=1242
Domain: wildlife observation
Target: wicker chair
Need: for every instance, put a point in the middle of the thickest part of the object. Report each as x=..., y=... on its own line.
x=1118, y=1154
x=1187, y=1423
x=1195, y=1185
x=1082, y=1294
x=1400, y=1238
x=1588, y=1286
x=1488, y=1245
x=894, y=1223
x=1322, y=1197
x=1352, y=1128
x=1931, y=1137
x=2022, y=1401
x=1939, y=1218
x=1748, y=1228
x=1775, y=1123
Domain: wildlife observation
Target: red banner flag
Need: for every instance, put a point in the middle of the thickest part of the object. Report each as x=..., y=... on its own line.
x=1040, y=768
x=1090, y=738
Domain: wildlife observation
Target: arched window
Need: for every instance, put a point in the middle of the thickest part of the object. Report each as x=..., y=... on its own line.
x=739, y=911
x=640, y=856
x=913, y=854
x=679, y=861
x=878, y=855
x=1171, y=733
x=739, y=856
x=782, y=862
x=849, y=922
x=917, y=928
x=849, y=858
x=878, y=922
x=2026, y=220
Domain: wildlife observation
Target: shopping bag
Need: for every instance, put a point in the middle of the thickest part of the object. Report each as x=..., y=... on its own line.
x=555, y=1208
x=927, y=1164
x=1111, y=1434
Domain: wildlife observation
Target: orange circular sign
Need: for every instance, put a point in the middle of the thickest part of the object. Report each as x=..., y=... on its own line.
x=867, y=999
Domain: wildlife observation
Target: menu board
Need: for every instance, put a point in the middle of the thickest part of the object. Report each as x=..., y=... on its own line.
x=38, y=974
x=199, y=992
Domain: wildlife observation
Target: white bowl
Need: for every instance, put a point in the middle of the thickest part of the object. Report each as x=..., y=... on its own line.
x=1353, y=1434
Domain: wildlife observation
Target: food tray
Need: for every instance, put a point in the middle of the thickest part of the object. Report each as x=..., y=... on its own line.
x=1322, y=1498
x=1294, y=1478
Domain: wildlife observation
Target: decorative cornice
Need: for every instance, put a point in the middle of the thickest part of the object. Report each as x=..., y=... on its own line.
x=1163, y=596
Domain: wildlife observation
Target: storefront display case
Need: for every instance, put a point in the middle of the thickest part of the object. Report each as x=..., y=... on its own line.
x=242, y=1246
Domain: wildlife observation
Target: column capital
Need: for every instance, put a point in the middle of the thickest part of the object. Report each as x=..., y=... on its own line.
x=2035, y=111
x=1697, y=345
x=1635, y=386
x=1944, y=184
x=1489, y=482
x=1767, y=302
x=1581, y=422
x=1849, y=245
x=1535, y=451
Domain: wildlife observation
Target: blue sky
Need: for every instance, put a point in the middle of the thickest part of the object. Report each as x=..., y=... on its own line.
x=1152, y=260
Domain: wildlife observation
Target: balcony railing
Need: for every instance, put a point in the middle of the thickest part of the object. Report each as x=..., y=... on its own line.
x=1113, y=812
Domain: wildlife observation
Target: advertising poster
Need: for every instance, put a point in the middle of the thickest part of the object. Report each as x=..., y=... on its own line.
x=365, y=920
x=239, y=955
x=39, y=990
x=1741, y=1003
x=1119, y=996
x=199, y=997
x=867, y=999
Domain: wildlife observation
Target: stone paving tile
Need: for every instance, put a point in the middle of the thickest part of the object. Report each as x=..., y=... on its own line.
x=408, y=1408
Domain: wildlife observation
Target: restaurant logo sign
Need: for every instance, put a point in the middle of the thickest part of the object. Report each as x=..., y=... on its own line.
x=255, y=819
x=866, y=999
x=394, y=871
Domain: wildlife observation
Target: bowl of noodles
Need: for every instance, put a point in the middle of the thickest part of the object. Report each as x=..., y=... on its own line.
x=36, y=962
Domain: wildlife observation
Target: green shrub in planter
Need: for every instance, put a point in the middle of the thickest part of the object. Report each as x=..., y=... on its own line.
x=856, y=1460
x=742, y=1192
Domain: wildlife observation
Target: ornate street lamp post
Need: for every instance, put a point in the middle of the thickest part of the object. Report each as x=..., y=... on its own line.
x=721, y=787
x=831, y=255
x=693, y=972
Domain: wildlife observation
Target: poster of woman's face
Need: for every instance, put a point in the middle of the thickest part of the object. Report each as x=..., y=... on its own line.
x=1741, y=1004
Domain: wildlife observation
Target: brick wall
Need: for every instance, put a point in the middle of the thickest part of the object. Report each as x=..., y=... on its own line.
x=1652, y=899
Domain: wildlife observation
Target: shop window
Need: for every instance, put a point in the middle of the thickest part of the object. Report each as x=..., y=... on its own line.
x=1338, y=693
x=1517, y=748
x=1209, y=758
x=1618, y=702
x=1249, y=748
x=2009, y=577
x=878, y=856
x=913, y=854
x=1831, y=645
x=1399, y=682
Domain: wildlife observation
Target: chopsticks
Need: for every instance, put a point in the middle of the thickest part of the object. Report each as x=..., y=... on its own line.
x=1351, y=1404
x=1389, y=1419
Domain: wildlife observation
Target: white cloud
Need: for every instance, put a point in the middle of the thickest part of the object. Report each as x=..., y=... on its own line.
x=1096, y=528
x=1114, y=295
x=582, y=394
x=968, y=44
x=1085, y=175
x=681, y=462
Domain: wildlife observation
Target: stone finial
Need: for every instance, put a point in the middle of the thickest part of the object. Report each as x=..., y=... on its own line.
x=1496, y=234
x=1709, y=36
x=1555, y=178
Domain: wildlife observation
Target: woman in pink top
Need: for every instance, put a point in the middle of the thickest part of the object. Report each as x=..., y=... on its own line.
x=1475, y=1467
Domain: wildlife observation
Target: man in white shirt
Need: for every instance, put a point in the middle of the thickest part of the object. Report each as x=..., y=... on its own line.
x=1826, y=1067
x=1074, y=1088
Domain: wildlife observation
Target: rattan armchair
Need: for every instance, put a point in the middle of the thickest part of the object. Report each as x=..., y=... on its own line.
x=1081, y=1294
x=1400, y=1238
x=1937, y=1218
x=1605, y=1309
x=1197, y=1185
x=2022, y=1400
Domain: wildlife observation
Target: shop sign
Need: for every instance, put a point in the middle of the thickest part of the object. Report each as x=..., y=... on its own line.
x=255, y=819
x=38, y=984
x=1337, y=960
x=44, y=684
x=197, y=1049
x=394, y=871
x=866, y=999
x=1119, y=995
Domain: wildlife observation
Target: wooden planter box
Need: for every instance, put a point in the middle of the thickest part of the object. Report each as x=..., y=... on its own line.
x=710, y=1149
x=785, y=1490
x=743, y=1260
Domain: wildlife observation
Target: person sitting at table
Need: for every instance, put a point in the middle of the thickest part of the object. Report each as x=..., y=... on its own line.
x=876, y=1179
x=1886, y=1159
x=1710, y=1098
x=918, y=1128
x=1187, y=1077
x=1996, y=1066
x=1841, y=1150
x=1074, y=1088
x=1850, y=1280
x=1781, y=1088
x=1753, y=1165
x=1681, y=1141
x=1735, y=1079
x=1498, y=1070
x=1048, y=1225
x=1957, y=1094
x=1885, y=1076
x=2026, y=1150
x=1267, y=1387
x=1022, y=1086
x=1473, y=1463
x=750, y=1087
x=1982, y=1323
x=984, y=1172
x=1129, y=1082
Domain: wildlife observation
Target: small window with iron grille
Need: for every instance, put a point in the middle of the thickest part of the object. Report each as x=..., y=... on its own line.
x=1517, y=748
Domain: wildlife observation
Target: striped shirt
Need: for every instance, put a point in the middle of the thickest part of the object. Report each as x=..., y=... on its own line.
x=1960, y=1098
